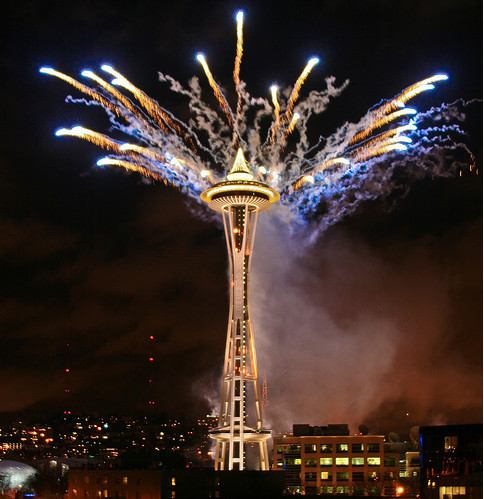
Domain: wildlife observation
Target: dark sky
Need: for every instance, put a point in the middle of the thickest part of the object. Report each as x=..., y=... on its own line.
x=381, y=317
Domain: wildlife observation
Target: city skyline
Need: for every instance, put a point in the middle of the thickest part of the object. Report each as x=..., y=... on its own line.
x=103, y=261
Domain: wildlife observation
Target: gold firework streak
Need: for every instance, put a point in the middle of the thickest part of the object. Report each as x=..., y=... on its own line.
x=277, y=109
x=291, y=127
x=297, y=87
x=412, y=91
x=294, y=95
x=374, y=152
x=382, y=121
x=332, y=162
x=83, y=88
x=327, y=164
x=115, y=93
x=94, y=137
x=134, y=168
x=207, y=174
x=306, y=179
x=390, y=133
x=161, y=118
x=148, y=104
x=143, y=151
x=238, y=60
x=218, y=95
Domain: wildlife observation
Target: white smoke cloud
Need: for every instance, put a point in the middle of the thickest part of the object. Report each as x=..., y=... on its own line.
x=342, y=329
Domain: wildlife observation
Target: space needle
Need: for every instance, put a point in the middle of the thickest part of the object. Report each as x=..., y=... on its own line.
x=240, y=198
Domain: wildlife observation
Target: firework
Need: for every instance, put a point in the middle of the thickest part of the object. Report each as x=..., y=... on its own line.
x=193, y=156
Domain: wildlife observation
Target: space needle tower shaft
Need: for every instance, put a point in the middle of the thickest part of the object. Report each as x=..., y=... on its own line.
x=239, y=198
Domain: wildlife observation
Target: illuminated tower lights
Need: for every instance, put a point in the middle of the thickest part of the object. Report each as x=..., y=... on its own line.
x=151, y=361
x=67, y=387
x=239, y=198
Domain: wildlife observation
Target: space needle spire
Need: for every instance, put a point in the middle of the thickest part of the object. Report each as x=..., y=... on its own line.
x=240, y=198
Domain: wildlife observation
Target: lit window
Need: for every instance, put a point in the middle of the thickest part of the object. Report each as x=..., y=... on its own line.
x=125, y=480
x=450, y=443
x=341, y=447
x=326, y=461
x=326, y=476
x=356, y=447
x=342, y=461
x=326, y=448
x=309, y=448
x=373, y=461
x=358, y=461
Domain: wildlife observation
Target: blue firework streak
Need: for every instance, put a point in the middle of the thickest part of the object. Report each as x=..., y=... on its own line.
x=356, y=163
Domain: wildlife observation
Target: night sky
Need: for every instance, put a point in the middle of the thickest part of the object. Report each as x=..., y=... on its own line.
x=378, y=322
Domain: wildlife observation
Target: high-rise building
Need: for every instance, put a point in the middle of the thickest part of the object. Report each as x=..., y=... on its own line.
x=240, y=198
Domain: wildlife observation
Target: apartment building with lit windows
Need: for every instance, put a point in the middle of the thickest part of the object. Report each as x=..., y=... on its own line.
x=327, y=460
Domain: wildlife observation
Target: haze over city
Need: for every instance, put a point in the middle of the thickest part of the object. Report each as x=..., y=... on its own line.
x=377, y=320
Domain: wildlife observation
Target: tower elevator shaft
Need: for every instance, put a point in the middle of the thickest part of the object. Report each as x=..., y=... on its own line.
x=240, y=423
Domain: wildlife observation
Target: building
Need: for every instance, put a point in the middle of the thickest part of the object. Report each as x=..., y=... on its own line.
x=180, y=484
x=451, y=461
x=328, y=460
x=240, y=198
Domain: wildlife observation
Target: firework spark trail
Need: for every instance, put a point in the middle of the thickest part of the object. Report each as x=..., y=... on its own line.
x=216, y=90
x=338, y=172
x=114, y=92
x=84, y=89
x=297, y=88
x=238, y=60
x=292, y=98
x=162, y=117
x=132, y=167
x=94, y=137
